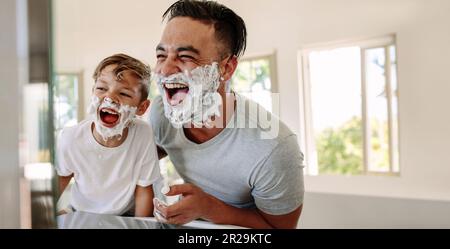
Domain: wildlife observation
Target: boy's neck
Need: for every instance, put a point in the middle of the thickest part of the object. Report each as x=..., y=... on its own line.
x=110, y=142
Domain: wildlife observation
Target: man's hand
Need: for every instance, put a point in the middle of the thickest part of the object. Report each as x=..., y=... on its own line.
x=194, y=204
x=198, y=204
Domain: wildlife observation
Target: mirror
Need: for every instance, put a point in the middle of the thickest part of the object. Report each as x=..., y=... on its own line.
x=87, y=31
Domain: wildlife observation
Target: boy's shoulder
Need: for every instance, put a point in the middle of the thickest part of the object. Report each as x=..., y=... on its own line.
x=76, y=130
x=142, y=126
x=144, y=129
x=74, y=136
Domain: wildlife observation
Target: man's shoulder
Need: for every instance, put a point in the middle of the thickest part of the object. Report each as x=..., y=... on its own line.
x=157, y=111
x=259, y=123
x=160, y=124
x=157, y=106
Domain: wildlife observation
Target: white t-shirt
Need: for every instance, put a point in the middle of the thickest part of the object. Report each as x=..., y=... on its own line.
x=106, y=178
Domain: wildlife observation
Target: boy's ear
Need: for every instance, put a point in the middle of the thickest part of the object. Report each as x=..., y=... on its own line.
x=142, y=108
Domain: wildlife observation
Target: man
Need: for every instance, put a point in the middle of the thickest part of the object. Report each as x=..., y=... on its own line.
x=233, y=175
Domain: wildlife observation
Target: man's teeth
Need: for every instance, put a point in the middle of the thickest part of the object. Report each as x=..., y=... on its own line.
x=174, y=85
x=109, y=111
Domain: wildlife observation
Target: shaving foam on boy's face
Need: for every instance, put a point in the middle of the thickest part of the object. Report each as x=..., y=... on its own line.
x=191, y=96
x=110, y=118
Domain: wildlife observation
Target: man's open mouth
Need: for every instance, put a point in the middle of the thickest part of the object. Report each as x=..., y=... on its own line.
x=176, y=92
x=109, y=117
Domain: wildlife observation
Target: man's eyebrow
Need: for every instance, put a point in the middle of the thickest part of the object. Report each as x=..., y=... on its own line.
x=160, y=47
x=189, y=49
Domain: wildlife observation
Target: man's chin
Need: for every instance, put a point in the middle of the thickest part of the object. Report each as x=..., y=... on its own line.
x=109, y=126
x=175, y=103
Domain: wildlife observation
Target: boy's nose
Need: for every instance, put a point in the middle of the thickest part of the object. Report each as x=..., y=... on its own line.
x=110, y=99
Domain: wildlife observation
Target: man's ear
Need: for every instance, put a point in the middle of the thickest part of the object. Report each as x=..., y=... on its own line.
x=142, y=108
x=228, y=68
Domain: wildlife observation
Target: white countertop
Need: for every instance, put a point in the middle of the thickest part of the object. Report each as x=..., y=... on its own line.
x=83, y=220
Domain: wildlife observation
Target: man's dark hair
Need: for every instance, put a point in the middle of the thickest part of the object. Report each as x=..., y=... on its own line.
x=229, y=27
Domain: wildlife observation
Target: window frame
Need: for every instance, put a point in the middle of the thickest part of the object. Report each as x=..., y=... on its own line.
x=307, y=140
x=271, y=57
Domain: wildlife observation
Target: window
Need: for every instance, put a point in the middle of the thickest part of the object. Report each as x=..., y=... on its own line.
x=254, y=78
x=351, y=108
x=66, y=100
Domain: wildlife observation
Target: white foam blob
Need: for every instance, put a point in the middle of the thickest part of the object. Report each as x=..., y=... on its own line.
x=200, y=103
x=127, y=115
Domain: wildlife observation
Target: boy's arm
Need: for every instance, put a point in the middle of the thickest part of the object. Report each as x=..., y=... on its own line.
x=143, y=201
x=63, y=182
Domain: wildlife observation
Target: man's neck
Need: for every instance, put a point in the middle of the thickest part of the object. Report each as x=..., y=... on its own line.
x=110, y=142
x=203, y=134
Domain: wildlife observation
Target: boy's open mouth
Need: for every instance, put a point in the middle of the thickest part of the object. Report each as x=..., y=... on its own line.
x=176, y=92
x=109, y=117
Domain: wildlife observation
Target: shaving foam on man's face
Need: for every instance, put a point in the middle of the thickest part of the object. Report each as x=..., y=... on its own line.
x=191, y=97
x=110, y=118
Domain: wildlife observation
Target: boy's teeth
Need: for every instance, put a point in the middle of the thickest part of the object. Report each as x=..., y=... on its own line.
x=109, y=111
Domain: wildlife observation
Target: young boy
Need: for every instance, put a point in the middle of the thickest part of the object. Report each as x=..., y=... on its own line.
x=112, y=155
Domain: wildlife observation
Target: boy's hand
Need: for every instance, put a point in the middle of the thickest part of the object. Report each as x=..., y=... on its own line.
x=194, y=204
x=61, y=212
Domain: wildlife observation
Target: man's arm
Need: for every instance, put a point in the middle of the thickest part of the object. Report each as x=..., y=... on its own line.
x=289, y=220
x=63, y=182
x=254, y=218
x=198, y=204
x=143, y=201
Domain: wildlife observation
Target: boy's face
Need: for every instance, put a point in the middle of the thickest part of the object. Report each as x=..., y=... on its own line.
x=122, y=92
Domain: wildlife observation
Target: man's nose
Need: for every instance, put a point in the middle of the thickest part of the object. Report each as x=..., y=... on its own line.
x=169, y=67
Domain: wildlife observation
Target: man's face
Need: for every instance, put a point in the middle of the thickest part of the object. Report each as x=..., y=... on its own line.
x=124, y=92
x=185, y=45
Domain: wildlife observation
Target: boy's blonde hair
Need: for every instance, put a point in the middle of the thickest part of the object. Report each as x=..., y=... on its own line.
x=125, y=63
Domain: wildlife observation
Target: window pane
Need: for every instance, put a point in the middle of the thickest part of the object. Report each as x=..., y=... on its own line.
x=335, y=78
x=65, y=99
x=252, y=79
x=35, y=137
x=377, y=110
x=394, y=122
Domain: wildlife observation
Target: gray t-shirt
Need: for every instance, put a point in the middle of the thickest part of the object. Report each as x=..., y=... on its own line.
x=239, y=166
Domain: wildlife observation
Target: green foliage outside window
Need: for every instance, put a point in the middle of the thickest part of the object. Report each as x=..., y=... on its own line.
x=340, y=150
